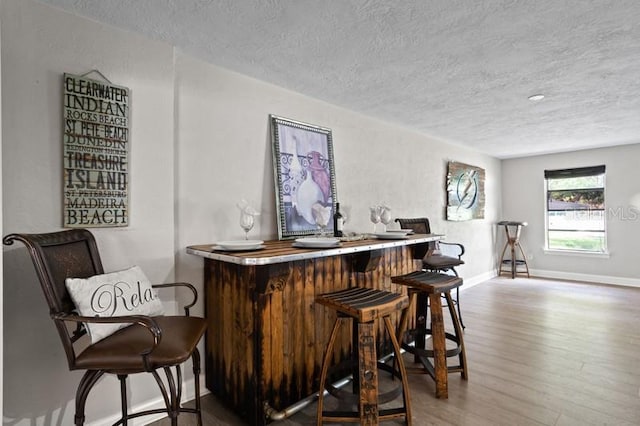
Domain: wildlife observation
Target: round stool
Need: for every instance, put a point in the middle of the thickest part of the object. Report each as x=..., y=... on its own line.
x=364, y=306
x=426, y=289
x=513, y=242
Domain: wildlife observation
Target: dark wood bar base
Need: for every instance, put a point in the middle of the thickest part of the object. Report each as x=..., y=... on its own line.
x=266, y=335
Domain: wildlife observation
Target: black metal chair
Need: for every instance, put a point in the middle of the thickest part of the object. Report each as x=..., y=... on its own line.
x=149, y=344
x=441, y=257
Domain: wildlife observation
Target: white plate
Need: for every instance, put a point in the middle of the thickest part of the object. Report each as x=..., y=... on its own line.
x=408, y=231
x=247, y=248
x=316, y=242
x=391, y=235
x=309, y=246
x=239, y=245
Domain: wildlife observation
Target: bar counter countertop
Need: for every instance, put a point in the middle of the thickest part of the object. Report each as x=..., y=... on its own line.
x=266, y=336
x=278, y=251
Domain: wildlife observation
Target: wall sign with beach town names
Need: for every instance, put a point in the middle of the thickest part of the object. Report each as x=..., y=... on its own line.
x=96, y=153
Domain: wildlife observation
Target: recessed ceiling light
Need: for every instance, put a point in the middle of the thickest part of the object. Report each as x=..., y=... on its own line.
x=536, y=97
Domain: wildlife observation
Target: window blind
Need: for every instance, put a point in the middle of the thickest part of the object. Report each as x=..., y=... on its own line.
x=574, y=173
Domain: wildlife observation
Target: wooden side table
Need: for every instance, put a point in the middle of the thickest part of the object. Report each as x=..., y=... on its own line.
x=513, y=230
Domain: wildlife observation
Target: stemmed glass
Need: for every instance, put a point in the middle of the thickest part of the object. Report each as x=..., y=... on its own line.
x=321, y=214
x=247, y=217
x=346, y=214
x=374, y=216
x=246, y=222
x=385, y=215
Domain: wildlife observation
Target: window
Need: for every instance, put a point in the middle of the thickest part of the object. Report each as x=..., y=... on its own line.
x=575, y=209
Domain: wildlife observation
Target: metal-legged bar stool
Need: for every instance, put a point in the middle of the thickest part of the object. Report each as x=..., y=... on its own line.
x=513, y=242
x=364, y=306
x=425, y=285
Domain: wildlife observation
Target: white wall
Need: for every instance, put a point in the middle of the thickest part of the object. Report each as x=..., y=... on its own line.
x=200, y=142
x=1, y=233
x=39, y=44
x=523, y=199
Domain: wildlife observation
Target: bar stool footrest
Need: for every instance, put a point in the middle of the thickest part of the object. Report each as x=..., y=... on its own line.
x=427, y=367
x=428, y=352
x=423, y=355
x=354, y=417
x=351, y=398
x=517, y=262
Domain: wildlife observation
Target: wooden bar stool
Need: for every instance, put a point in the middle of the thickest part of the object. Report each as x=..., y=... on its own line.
x=364, y=306
x=513, y=230
x=425, y=285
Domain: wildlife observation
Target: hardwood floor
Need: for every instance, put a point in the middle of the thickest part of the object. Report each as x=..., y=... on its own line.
x=540, y=352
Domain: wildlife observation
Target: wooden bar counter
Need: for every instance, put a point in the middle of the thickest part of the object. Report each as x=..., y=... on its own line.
x=266, y=336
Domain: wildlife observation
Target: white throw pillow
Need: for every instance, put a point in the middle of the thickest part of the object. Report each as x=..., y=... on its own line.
x=127, y=292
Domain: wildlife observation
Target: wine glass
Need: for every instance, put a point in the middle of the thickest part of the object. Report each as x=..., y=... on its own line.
x=385, y=215
x=374, y=216
x=322, y=227
x=346, y=214
x=246, y=222
x=321, y=214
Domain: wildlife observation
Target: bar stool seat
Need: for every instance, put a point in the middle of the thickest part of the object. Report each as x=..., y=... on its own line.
x=423, y=285
x=363, y=306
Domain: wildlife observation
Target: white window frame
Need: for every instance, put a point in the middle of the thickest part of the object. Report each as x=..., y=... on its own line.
x=570, y=252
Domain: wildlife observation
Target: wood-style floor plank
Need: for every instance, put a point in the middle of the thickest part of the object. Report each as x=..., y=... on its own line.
x=540, y=353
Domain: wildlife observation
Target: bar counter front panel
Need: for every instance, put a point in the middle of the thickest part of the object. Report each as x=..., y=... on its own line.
x=266, y=336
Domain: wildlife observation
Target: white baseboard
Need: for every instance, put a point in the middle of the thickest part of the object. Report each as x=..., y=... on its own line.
x=188, y=394
x=573, y=276
x=559, y=275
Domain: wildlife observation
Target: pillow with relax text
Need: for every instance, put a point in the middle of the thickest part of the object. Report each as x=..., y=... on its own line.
x=127, y=292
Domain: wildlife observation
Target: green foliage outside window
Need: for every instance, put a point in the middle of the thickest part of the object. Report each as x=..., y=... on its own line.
x=578, y=243
x=576, y=199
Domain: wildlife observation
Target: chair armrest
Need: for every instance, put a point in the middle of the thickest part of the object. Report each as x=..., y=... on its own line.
x=187, y=285
x=143, y=320
x=457, y=247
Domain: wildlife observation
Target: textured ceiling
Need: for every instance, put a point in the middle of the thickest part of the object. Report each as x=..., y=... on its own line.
x=460, y=71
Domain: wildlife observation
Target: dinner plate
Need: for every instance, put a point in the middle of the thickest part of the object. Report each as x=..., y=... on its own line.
x=389, y=235
x=239, y=245
x=408, y=231
x=247, y=248
x=316, y=242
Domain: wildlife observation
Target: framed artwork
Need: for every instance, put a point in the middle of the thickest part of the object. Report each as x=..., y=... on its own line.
x=96, y=145
x=465, y=192
x=304, y=177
